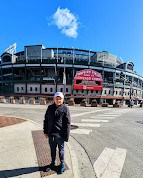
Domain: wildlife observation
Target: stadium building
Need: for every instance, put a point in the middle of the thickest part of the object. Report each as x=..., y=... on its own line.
x=38, y=71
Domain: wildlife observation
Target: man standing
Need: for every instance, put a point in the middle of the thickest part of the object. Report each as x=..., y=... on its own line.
x=57, y=127
x=131, y=103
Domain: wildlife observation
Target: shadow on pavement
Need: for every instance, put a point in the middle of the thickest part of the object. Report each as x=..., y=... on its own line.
x=17, y=172
x=27, y=170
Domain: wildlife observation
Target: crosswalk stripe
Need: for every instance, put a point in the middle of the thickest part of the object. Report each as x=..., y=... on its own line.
x=101, y=117
x=84, y=113
x=110, y=163
x=81, y=131
x=107, y=115
x=116, y=163
x=86, y=125
x=102, y=162
x=92, y=120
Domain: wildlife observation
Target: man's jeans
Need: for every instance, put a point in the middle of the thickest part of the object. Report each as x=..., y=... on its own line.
x=53, y=142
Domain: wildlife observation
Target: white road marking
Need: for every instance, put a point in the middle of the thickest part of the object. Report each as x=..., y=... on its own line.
x=86, y=125
x=118, y=112
x=111, y=113
x=110, y=163
x=102, y=162
x=107, y=115
x=91, y=120
x=81, y=131
x=101, y=117
x=84, y=113
x=116, y=163
x=114, y=113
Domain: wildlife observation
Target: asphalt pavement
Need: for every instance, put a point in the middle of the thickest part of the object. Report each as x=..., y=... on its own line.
x=107, y=142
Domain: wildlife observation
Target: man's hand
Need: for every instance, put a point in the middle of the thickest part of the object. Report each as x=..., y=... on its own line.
x=46, y=136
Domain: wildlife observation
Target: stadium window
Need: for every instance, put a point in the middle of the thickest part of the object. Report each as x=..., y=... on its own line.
x=35, y=88
x=76, y=90
x=82, y=91
x=120, y=92
x=22, y=89
x=91, y=91
x=61, y=89
x=109, y=92
x=45, y=89
x=96, y=91
x=30, y=88
x=67, y=90
x=116, y=92
x=17, y=88
x=104, y=91
x=51, y=89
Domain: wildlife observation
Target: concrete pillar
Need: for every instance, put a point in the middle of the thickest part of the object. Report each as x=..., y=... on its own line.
x=114, y=100
x=124, y=102
x=101, y=100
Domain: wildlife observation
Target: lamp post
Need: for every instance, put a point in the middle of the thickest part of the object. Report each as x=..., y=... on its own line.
x=72, y=88
x=56, y=70
x=64, y=76
x=89, y=58
x=122, y=77
x=131, y=90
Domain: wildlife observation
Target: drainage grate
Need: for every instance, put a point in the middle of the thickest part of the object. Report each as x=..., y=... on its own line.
x=139, y=122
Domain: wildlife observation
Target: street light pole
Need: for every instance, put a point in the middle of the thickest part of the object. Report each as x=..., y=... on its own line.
x=56, y=70
x=131, y=90
x=64, y=77
x=72, y=88
x=89, y=59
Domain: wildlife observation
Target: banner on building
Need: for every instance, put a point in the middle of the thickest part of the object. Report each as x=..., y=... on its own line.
x=88, y=80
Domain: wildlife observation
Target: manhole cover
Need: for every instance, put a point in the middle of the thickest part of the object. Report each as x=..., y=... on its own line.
x=139, y=122
x=74, y=127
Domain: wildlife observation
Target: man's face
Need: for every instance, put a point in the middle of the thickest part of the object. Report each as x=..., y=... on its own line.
x=58, y=100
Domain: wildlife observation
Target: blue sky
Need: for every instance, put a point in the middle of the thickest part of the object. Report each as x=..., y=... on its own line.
x=114, y=25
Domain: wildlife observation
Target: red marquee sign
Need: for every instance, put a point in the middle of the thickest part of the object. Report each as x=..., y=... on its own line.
x=88, y=80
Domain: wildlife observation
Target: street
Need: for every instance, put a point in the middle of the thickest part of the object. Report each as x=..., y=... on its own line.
x=111, y=137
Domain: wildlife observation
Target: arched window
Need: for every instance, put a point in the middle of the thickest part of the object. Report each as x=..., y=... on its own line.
x=6, y=59
x=130, y=67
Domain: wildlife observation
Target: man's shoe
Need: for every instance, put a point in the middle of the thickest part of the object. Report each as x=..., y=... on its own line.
x=51, y=166
x=62, y=168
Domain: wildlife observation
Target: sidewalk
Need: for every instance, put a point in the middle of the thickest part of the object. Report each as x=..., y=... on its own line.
x=20, y=155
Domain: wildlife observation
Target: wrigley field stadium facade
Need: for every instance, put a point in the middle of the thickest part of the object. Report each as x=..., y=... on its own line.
x=40, y=72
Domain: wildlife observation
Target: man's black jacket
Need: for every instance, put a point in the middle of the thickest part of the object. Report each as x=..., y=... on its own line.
x=57, y=121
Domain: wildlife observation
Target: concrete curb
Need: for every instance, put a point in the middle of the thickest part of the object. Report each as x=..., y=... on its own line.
x=81, y=167
x=74, y=158
x=77, y=163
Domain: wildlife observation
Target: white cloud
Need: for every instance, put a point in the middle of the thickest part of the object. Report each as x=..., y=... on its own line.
x=65, y=21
